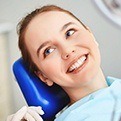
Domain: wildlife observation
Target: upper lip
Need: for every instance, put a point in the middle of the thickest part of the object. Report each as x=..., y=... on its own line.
x=73, y=61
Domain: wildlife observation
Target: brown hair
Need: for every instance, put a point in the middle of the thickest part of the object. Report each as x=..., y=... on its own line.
x=22, y=25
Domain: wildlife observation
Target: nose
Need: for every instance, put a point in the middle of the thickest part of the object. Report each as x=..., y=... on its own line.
x=68, y=53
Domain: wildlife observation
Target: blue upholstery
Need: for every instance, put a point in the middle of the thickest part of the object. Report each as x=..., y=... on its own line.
x=51, y=99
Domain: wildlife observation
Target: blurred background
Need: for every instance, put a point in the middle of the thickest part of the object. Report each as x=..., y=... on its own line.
x=106, y=31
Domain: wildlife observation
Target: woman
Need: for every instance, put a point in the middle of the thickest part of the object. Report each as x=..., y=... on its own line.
x=51, y=34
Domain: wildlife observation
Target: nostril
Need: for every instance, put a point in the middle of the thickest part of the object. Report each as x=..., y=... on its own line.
x=67, y=55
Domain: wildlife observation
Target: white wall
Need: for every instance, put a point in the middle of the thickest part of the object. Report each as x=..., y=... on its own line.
x=107, y=34
x=5, y=92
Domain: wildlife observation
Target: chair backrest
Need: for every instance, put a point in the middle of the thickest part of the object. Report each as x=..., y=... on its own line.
x=51, y=99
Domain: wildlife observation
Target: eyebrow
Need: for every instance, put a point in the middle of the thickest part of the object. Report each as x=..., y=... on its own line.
x=66, y=25
x=47, y=42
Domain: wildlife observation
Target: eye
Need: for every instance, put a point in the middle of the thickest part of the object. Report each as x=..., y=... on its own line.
x=69, y=33
x=48, y=51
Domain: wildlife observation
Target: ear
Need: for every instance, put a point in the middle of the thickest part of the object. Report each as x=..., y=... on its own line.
x=44, y=78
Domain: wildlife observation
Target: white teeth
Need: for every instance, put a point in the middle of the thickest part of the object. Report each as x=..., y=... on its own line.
x=83, y=58
x=77, y=64
x=80, y=61
x=71, y=68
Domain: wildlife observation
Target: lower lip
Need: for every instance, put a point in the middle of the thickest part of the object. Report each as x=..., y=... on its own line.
x=81, y=67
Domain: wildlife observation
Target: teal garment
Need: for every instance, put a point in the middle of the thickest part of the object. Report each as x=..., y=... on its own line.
x=102, y=105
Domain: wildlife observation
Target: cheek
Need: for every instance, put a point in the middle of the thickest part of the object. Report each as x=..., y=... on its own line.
x=90, y=43
x=86, y=38
x=51, y=67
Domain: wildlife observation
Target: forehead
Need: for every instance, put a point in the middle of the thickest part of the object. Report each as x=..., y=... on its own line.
x=52, y=16
x=46, y=25
x=50, y=20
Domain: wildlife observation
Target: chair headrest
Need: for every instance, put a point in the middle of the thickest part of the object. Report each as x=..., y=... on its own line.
x=36, y=93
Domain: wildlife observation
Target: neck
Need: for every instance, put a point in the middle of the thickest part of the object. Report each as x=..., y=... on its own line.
x=95, y=84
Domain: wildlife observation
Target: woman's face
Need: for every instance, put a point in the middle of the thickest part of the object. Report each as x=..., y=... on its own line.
x=63, y=49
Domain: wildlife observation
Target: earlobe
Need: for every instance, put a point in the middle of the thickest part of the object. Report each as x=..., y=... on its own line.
x=44, y=78
x=49, y=83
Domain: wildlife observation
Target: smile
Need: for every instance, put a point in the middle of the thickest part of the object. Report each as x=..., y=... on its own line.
x=78, y=64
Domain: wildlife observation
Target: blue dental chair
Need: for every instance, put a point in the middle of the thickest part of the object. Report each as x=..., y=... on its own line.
x=36, y=93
